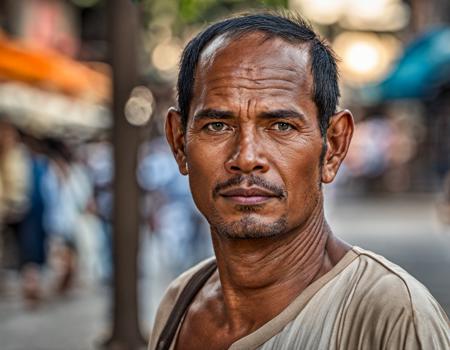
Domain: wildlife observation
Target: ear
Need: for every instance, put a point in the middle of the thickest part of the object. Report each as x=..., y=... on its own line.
x=175, y=137
x=339, y=135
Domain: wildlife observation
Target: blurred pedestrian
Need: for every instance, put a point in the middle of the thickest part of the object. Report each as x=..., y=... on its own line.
x=13, y=189
x=31, y=233
x=179, y=230
x=99, y=161
x=69, y=191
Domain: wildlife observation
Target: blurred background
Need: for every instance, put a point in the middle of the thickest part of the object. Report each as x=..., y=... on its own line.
x=95, y=220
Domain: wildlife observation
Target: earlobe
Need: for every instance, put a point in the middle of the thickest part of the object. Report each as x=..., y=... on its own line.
x=339, y=134
x=175, y=137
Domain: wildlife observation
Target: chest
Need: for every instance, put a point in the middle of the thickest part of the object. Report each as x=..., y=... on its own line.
x=199, y=332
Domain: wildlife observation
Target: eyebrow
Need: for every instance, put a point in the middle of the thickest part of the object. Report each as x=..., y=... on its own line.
x=282, y=114
x=213, y=114
x=210, y=113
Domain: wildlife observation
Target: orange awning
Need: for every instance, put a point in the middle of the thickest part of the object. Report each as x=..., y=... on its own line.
x=52, y=71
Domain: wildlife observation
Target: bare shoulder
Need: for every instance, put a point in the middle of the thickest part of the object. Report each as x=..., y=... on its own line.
x=169, y=299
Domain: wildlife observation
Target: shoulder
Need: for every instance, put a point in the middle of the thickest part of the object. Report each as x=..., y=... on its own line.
x=169, y=299
x=396, y=304
x=384, y=279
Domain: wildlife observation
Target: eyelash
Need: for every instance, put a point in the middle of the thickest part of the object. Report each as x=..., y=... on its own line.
x=290, y=126
x=208, y=127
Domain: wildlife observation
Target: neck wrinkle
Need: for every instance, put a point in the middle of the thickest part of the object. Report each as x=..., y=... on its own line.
x=270, y=269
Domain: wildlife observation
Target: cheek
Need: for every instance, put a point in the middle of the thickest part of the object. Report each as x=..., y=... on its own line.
x=205, y=166
x=301, y=173
x=204, y=160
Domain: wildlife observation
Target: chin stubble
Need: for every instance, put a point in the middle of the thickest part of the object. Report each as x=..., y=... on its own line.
x=250, y=228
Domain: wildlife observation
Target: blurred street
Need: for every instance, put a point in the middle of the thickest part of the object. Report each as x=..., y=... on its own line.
x=403, y=229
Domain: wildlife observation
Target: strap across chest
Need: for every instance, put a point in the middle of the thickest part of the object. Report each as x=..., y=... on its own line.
x=186, y=297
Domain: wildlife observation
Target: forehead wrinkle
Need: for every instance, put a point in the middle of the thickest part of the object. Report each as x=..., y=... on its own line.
x=256, y=81
x=223, y=86
x=222, y=49
x=252, y=68
x=259, y=73
x=248, y=70
x=251, y=78
x=247, y=87
x=237, y=81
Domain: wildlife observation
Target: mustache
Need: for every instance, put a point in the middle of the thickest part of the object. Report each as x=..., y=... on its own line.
x=251, y=181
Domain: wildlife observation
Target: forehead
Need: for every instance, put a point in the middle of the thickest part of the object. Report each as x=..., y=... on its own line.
x=253, y=65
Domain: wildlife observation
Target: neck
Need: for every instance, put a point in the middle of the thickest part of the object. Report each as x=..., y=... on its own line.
x=272, y=271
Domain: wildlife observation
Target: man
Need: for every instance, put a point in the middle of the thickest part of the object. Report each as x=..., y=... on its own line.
x=257, y=132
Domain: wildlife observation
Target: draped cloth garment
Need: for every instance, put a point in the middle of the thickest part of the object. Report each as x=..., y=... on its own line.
x=363, y=302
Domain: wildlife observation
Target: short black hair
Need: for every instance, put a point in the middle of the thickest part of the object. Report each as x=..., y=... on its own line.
x=289, y=27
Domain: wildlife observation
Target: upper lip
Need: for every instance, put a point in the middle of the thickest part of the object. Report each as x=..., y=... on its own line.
x=247, y=192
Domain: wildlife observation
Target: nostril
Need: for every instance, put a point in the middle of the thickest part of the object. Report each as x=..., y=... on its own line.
x=246, y=168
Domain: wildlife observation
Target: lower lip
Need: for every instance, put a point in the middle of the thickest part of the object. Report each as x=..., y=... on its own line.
x=253, y=200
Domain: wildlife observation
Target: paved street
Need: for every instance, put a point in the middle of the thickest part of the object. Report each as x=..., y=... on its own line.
x=74, y=322
x=405, y=230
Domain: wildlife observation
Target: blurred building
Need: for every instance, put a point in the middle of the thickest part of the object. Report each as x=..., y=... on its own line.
x=51, y=102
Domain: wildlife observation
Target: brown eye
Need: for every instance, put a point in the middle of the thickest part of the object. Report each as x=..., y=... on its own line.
x=281, y=126
x=216, y=126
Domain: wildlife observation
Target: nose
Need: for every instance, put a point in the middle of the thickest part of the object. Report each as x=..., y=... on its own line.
x=247, y=155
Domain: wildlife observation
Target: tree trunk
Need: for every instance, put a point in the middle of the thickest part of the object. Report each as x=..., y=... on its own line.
x=123, y=31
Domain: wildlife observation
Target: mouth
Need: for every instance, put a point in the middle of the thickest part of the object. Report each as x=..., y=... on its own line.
x=248, y=196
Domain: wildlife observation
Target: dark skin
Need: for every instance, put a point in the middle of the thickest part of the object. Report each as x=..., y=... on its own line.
x=253, y=116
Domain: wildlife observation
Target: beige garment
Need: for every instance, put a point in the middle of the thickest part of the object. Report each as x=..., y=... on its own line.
x=364, y=302
x=14, y=172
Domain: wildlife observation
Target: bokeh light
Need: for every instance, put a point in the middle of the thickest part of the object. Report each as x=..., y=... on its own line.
x=365, y=57
x=379, y=15
x=139, y=107
x=165, y=55
x=320, y=11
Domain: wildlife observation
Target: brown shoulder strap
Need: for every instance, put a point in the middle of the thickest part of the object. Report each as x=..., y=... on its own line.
x=184, y=300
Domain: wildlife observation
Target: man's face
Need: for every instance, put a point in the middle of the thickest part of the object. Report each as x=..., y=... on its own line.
x=252, y=141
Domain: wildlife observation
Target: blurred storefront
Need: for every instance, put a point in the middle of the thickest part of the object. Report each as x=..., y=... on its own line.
x=51, y=105
x=42, y=86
